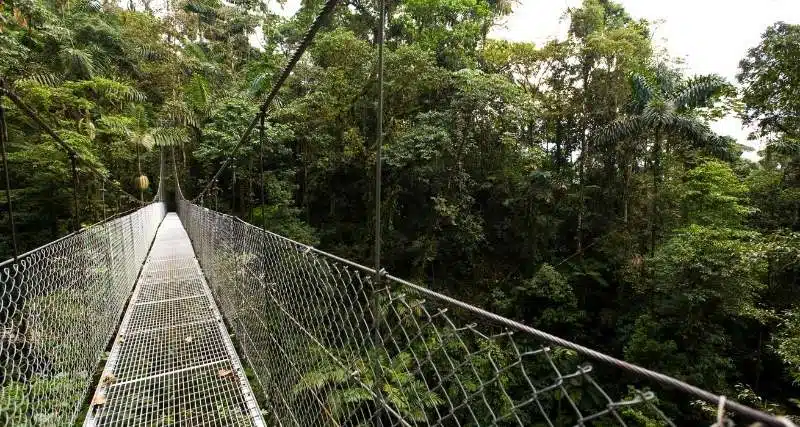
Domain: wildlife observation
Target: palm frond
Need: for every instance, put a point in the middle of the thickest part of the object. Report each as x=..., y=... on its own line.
x=115, y=91
x=205, y=11
x=135, y=95
x=195, y=50
x=149, y=54
x=642, y=92
x=691, y=128
x=86, y=6
x=666, y=79
x=621, y=129
x=698, y=91
x=784, y=146
x=722, y=147
x=178, y=113
x=56, y=33
x=197, y=93
x=660, y=115
x=145, y=139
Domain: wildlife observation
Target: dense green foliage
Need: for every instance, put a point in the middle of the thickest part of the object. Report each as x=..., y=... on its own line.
x=575, y=186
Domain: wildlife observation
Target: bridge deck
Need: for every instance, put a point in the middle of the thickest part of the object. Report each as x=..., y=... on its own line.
x=173, y=362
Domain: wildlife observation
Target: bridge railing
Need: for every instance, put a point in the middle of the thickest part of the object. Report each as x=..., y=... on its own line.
x=60, y=305
x=328, y=346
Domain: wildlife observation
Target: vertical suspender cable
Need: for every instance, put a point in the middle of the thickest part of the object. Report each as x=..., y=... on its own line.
x=379, y=144
x=3, y=140
x=76, y=221
x=378, y=383
x=139, y=168
x=103, y=197
x=261, y=162
x=233, y=188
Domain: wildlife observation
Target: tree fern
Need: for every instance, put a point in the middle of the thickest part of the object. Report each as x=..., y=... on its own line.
x=169, y=136
x=259, y=84
x=116, y=124
x=144, y=139
x=78, y=62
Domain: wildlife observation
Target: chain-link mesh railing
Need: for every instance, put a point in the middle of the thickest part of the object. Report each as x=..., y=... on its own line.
x=60, y=305
x=329, y=347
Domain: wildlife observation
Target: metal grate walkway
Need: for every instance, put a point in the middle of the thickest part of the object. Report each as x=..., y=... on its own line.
x=173, y=362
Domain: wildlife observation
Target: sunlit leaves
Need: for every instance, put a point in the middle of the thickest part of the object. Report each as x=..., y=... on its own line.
x=713, y=195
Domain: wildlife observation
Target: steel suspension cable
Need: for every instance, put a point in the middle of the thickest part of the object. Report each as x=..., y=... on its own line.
x=326, y=11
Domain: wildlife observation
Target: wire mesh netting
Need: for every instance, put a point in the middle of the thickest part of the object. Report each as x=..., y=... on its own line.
x=330, y=348
x=173, y=362
x=59, y=306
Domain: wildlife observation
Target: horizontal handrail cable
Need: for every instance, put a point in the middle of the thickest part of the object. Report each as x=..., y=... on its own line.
x=660, y=378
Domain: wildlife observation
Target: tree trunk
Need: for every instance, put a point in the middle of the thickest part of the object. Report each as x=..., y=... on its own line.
x=626, y=189
x=654, y=214
x=584, y=156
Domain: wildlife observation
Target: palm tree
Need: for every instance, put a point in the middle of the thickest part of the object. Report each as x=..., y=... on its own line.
x=663, y=106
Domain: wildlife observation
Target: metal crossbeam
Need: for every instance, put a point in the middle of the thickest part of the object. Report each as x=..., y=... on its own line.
x=173, y=362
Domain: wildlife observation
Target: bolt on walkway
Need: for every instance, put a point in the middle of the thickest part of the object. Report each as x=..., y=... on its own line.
x=173, y=362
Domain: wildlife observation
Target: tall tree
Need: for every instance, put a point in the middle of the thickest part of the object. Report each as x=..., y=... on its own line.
x=662, y=107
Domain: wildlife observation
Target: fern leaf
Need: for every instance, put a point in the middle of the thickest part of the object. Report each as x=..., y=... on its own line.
x=43, y=78
x=78, y=62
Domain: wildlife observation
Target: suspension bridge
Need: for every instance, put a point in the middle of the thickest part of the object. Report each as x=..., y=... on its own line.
x=198, y=318
x=225, y=323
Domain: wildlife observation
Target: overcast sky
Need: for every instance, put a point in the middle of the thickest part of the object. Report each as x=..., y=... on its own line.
x=710, y=35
